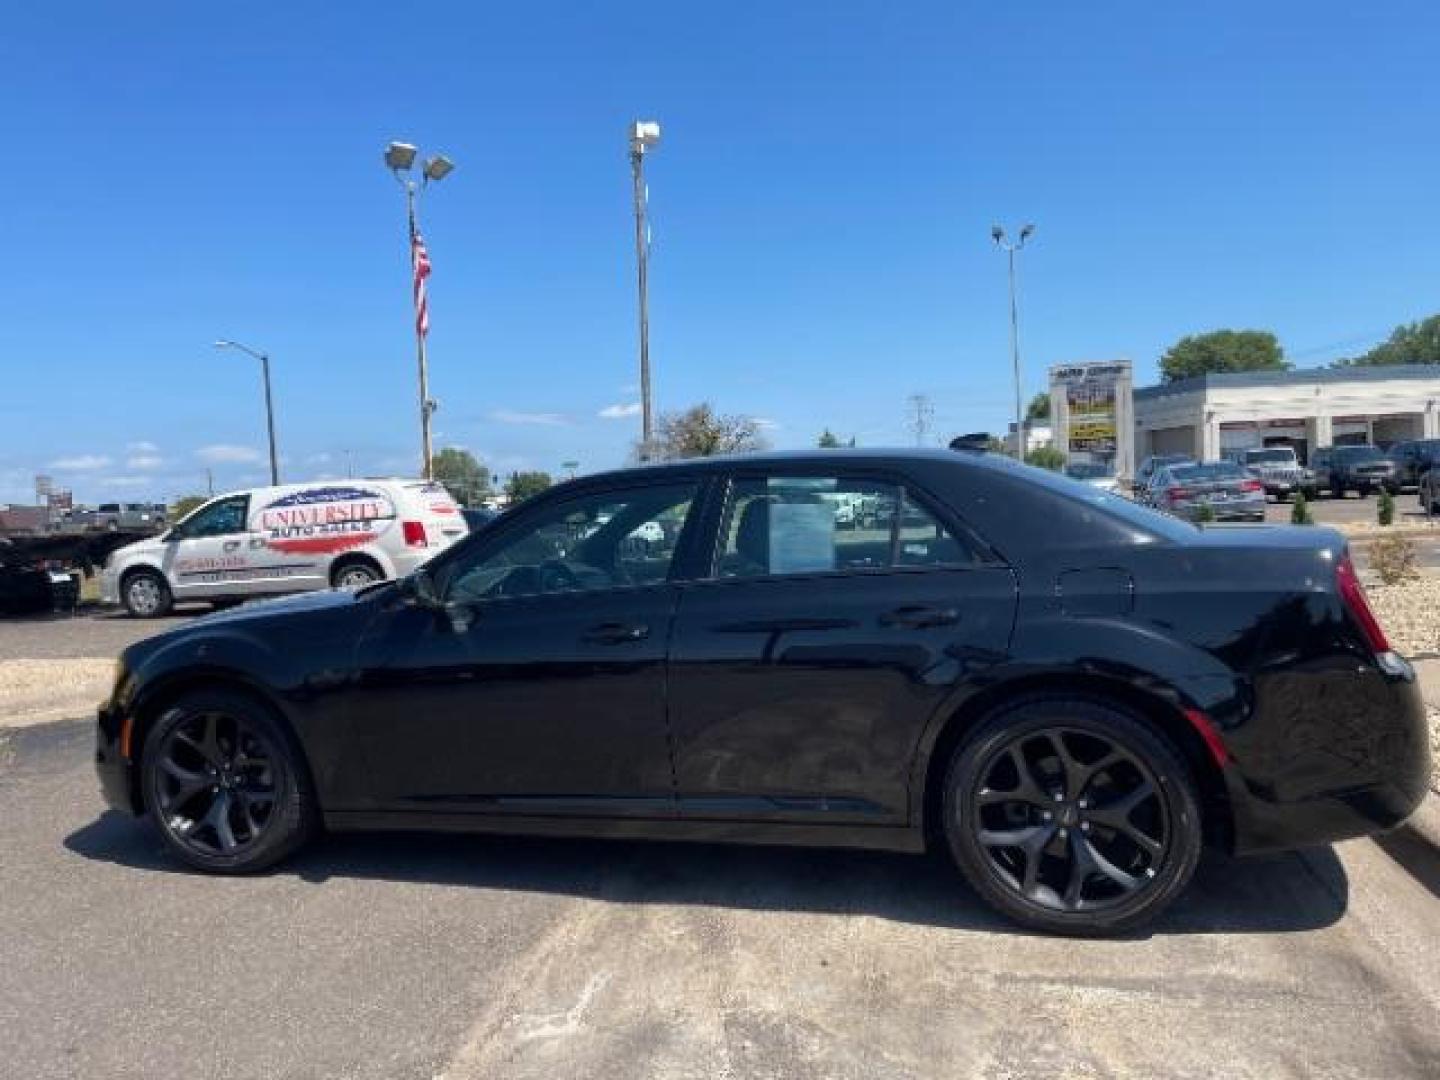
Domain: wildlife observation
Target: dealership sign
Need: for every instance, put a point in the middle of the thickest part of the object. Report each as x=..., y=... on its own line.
x=1090, y=392
x=324, y=520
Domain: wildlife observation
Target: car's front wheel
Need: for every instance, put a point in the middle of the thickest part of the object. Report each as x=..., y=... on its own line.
x=146, y=594
x=225, y=784
x=1072, y=816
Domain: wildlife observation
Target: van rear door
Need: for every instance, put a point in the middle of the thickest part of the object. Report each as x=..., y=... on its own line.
x=432, y=504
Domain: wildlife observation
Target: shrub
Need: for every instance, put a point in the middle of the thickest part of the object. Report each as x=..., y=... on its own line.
x=1393, y=559
x=1385, y=508
x=1300, y=511
x=1205, y=513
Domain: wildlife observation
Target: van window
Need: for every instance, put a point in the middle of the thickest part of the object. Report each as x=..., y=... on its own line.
x=218, y=519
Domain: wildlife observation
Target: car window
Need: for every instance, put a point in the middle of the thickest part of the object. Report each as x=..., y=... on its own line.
x=605, y=540
x=218, y=519
x=1191, y=474
x=807, y=524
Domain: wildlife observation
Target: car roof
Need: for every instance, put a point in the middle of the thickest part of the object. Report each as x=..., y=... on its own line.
x=874, y=458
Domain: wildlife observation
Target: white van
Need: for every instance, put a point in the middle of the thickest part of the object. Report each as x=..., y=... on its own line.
x=292, y=538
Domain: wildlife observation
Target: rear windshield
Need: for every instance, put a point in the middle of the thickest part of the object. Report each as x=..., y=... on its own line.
x=1132, y=514
x=1200, y=474
x=1266, y=456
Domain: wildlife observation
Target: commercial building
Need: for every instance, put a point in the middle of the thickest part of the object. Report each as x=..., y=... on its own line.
x=1210, y=414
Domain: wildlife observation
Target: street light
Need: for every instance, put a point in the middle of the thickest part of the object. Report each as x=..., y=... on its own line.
x=269, y=407
x=400, y=159
x=998, y=235
x=644, y=137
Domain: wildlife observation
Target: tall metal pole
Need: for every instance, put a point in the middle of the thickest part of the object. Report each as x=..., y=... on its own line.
x=270, y=420
x=642, y=252
x=1015, y=359
x=426, y=405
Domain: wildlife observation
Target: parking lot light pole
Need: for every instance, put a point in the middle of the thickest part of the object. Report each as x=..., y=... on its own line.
x=998, y=235
x=399, y=159
x=269, y=405
x=644, y=136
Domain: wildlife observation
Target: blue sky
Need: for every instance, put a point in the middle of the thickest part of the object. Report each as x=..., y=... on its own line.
x=821, y=208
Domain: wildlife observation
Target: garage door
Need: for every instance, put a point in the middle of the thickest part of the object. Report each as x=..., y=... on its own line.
x=1175, y=440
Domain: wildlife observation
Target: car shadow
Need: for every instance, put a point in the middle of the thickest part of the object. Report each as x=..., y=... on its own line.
x=1279, y=893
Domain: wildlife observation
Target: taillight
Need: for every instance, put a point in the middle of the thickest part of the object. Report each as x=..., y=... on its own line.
x=1176, y=494
x=414, y=533
x=1252, y=485
x=1353, y=594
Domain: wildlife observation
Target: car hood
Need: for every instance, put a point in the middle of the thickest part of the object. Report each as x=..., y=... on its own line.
x=149, y=546
x=283, y=606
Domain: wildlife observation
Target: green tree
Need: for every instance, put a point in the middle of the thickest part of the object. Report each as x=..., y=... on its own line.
x=1300, y=511
x=186, y=503
x=700, y=431
x=525, y=485
x=1046, y=457
x=828, y=440
x=462, y=474
x=1385, y=508
x=1413, y=343
x=1205, y=512
x=1223, y=350
x=1039, y=408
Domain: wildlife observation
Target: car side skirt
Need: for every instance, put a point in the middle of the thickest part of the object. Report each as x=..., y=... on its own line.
x=873, y=837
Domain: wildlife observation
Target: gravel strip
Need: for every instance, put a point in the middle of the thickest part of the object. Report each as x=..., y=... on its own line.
x=41, y=691
x=1409, y=614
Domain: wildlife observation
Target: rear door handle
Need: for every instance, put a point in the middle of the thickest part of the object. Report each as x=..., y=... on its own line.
x=920, y=617
x=615, y=633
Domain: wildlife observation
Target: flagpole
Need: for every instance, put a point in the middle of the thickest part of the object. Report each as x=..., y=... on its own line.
x=426, y=408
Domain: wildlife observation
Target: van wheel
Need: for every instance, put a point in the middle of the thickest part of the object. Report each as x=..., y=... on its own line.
x=146, y=594
x=355, y=574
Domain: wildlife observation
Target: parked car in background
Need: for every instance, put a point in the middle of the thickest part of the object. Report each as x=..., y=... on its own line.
x=1230, y=493
x=1148, y=468
x=1028, y=676
x=127, y=516
x=1413, y=460
x=1428, y=492
x=1361, y=469
x=477, y=517
x=1097, y=476
x=285, y=539
x=1278, y=469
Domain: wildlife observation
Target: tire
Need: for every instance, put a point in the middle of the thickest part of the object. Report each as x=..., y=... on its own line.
x=1059, y=836
x=1364, y=492
x=355, y=574
x=226, y=784
x=146, y=594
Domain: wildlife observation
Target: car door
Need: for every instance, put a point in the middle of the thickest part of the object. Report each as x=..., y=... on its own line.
x=540, y=688
x=805, y=667
x=206, y=555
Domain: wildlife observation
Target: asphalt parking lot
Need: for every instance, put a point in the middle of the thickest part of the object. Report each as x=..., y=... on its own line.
x=399, y=956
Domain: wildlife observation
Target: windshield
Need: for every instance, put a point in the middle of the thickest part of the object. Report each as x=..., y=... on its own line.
x=1266, y=457
x=1359, y=453
x=1203, y=474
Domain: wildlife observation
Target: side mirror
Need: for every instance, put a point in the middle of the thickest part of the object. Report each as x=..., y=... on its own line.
x=419, y=590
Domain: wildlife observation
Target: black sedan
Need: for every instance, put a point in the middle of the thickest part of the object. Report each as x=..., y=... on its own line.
x=1070, y=692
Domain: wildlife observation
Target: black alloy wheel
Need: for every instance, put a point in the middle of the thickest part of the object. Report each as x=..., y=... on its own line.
x=225, y=785
x=1072, y=816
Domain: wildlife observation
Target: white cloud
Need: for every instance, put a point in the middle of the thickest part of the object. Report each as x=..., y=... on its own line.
x=144, y=461
x=80, y=463
x=322, y=458
x=143, y=446
x=126, y=481
x=764, y=423
x=619, y=412
x=223, y=454
x=548, y=419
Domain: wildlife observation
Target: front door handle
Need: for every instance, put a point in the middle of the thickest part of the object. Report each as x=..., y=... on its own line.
x=615, y=633
x=920, y=617
x=230, y=545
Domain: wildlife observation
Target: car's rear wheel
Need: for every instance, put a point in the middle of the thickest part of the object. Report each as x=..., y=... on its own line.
x=355, y=574
x=146, y=594
x=225, y=784
x=1072, y=816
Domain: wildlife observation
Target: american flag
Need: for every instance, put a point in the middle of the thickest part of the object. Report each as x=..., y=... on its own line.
x=420, y=263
